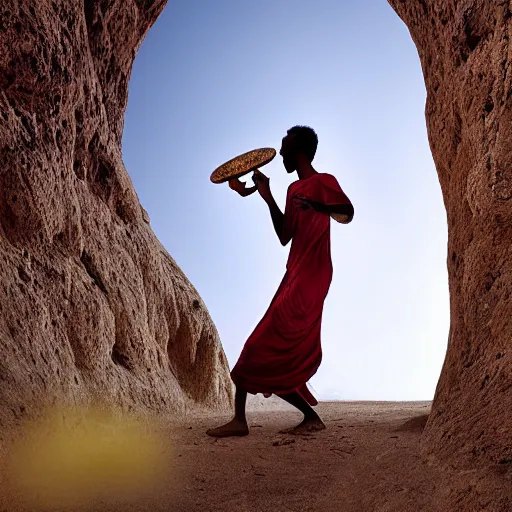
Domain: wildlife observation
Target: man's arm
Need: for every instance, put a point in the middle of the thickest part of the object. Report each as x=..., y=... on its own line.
x=263, y=184
x=343, y=209
x=277, y=218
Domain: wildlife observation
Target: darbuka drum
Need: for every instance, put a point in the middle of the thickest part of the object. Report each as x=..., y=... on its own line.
x=243, y=164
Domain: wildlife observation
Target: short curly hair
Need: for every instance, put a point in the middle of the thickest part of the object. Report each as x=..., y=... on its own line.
x=306, y=140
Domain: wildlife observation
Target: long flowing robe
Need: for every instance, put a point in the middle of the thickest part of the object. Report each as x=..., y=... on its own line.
x=284, y=351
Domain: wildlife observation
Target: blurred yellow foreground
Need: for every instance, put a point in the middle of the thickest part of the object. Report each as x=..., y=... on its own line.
x=81, y=458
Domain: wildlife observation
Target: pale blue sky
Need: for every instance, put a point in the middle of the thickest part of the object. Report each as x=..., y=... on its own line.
x=215, y=79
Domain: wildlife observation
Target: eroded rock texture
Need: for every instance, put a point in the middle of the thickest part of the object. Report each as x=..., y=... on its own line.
x=91, y=304
x=466, y=51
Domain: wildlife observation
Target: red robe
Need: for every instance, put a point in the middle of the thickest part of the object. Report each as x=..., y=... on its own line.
x=284, y=350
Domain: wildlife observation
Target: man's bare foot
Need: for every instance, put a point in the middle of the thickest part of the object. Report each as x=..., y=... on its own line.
x=234, y=428
x=307, y=426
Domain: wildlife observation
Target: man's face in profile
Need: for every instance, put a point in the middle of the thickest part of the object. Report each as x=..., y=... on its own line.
x=288, y=153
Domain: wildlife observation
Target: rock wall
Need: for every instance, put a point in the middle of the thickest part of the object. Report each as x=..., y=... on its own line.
x=91, y=304
x=465, y=52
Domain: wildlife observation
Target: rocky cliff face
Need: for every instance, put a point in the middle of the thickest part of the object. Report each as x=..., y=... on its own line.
x=91, y=304
x=465, y=51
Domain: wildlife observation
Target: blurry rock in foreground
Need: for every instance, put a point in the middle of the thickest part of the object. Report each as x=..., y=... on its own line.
x=75, y=458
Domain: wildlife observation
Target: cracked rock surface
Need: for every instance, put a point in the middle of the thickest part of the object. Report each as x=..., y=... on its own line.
x=91, y=304
x=465, y=50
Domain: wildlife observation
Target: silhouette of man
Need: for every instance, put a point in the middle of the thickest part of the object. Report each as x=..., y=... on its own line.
x=284, y=350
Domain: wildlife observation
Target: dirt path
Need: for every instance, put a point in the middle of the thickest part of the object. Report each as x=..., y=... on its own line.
x=357, y=464
x=366, y=461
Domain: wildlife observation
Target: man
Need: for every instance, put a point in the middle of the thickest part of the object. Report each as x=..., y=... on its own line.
x=284, y=351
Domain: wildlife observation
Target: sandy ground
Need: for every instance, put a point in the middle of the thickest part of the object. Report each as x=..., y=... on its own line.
x=355, y=464
x=367, y=460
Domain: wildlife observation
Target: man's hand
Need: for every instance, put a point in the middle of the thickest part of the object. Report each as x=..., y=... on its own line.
x=236, y=185
x=263, y=184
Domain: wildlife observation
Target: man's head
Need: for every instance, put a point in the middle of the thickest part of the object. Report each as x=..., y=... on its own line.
x=298, y=140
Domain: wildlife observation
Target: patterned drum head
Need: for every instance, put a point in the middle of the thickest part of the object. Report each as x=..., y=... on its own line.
x=243, y=164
